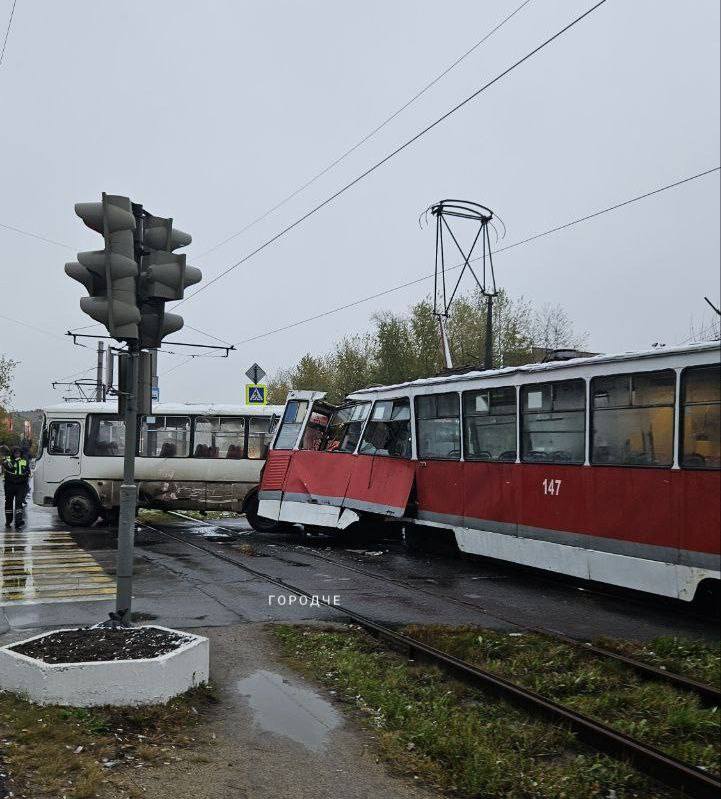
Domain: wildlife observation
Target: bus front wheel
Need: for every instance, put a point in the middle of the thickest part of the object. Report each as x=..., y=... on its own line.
x=259, y=523
x=77, y=507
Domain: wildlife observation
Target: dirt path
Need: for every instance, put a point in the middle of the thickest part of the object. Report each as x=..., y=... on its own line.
x=276, y=737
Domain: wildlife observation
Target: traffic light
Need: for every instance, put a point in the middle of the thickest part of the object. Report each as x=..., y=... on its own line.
x=164, y=276
x=135, y=274
x=110, y=275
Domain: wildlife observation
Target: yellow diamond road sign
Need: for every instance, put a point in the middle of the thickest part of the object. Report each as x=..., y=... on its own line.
x=256, y=394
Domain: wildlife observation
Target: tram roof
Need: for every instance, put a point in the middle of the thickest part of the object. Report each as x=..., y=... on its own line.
x=550, y=366
x=171, y=408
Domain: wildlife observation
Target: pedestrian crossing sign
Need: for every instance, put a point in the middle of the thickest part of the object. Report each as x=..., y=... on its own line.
x=256, y=394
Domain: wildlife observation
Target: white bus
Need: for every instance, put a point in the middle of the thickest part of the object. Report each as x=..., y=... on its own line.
x=190, y=457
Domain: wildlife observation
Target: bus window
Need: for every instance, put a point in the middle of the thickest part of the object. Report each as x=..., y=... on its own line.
x=489, y=423
x=293, y=419
x=105, y=436
x=388, y=431
x=259, y=428
x=632, y=421
x=701, y=409
x=64, y=438
x=438, y=426
x=344, y=428
x=553, y=422
x=219, y=437
x=165, y=437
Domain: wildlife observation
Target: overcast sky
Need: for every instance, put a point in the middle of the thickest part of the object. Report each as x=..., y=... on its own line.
x=213, y=112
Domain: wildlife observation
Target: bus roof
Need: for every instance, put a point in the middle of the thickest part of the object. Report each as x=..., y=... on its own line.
x=171, y=408
x=551, y=366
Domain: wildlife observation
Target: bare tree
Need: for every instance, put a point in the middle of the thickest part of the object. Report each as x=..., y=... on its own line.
x=707, y=329
x=552, y=329
x=7, y=369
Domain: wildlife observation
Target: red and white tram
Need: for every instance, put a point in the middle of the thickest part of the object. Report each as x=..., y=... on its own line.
x=604, y=468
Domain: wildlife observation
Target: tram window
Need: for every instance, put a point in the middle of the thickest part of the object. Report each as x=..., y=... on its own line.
x=165, y=437
x=64, y=438
x=105, y=436
x=219, y=437
x=438, y=426
x=553, y=422
x=344, y=428
x=259, y=429
x=489, y=420
x=293, y=419
x=315, y=429
x=632, y=422
x=388, y=431
x=701, y=409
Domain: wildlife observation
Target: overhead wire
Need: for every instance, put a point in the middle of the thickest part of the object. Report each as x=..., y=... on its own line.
x=393, y=153
x=35, y=236
x=76, y=374
x=7, y=32
x=34, y=327
x=527, y=240
x=182, y=363
x=367, y=136
x=330, y=166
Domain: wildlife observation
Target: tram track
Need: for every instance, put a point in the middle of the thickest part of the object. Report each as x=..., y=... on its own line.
x=690, y=780
x=709, y=694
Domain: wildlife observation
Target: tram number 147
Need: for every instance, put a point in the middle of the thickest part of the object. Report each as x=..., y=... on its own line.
x=552, y=486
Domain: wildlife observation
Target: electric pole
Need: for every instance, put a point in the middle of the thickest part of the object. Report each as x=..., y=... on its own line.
x=99, y=383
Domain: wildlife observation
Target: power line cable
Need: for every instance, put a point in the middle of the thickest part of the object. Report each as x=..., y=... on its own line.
x=334, y=163
x=33, y=327
x=368, y=136
x=76, y=374
x=205, y=333
x=395, y=152
x=35, y=236
x=7, y=32
x=527, y=240
x=610, y=208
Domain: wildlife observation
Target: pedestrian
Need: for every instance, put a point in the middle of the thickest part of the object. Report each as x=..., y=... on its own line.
x=16, y=482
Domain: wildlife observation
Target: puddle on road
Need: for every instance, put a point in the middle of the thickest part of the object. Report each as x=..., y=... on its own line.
x=289, y=710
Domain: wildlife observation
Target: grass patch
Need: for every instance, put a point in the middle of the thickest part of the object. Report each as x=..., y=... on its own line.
x=656, y=713
x=73, y=752
x=694, y=659
x=457, y=739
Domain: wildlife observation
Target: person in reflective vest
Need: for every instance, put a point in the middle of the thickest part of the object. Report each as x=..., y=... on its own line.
x=16, y=481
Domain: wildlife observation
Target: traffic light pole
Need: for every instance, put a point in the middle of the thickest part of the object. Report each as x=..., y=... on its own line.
x=128, y=493
x=129, y=283
x=129, y=488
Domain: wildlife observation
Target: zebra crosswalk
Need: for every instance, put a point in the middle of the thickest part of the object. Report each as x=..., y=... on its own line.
x=49, y=566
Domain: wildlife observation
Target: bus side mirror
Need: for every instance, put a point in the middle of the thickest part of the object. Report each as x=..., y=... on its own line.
x=44, y=440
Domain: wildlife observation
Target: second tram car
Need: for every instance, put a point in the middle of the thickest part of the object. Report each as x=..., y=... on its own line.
x=606, y=468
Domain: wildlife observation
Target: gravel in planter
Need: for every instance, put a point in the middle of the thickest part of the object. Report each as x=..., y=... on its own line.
x=95, y=644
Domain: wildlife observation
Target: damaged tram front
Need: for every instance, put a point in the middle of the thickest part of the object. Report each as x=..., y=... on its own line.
x=371, y=471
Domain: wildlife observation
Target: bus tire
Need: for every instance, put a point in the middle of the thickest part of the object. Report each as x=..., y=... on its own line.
x=78, y=507
x=259, y=523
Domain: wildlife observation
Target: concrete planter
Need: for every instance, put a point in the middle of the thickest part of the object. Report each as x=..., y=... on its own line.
x=148, y=681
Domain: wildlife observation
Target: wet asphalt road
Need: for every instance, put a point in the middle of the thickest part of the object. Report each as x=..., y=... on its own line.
x=182, y=587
